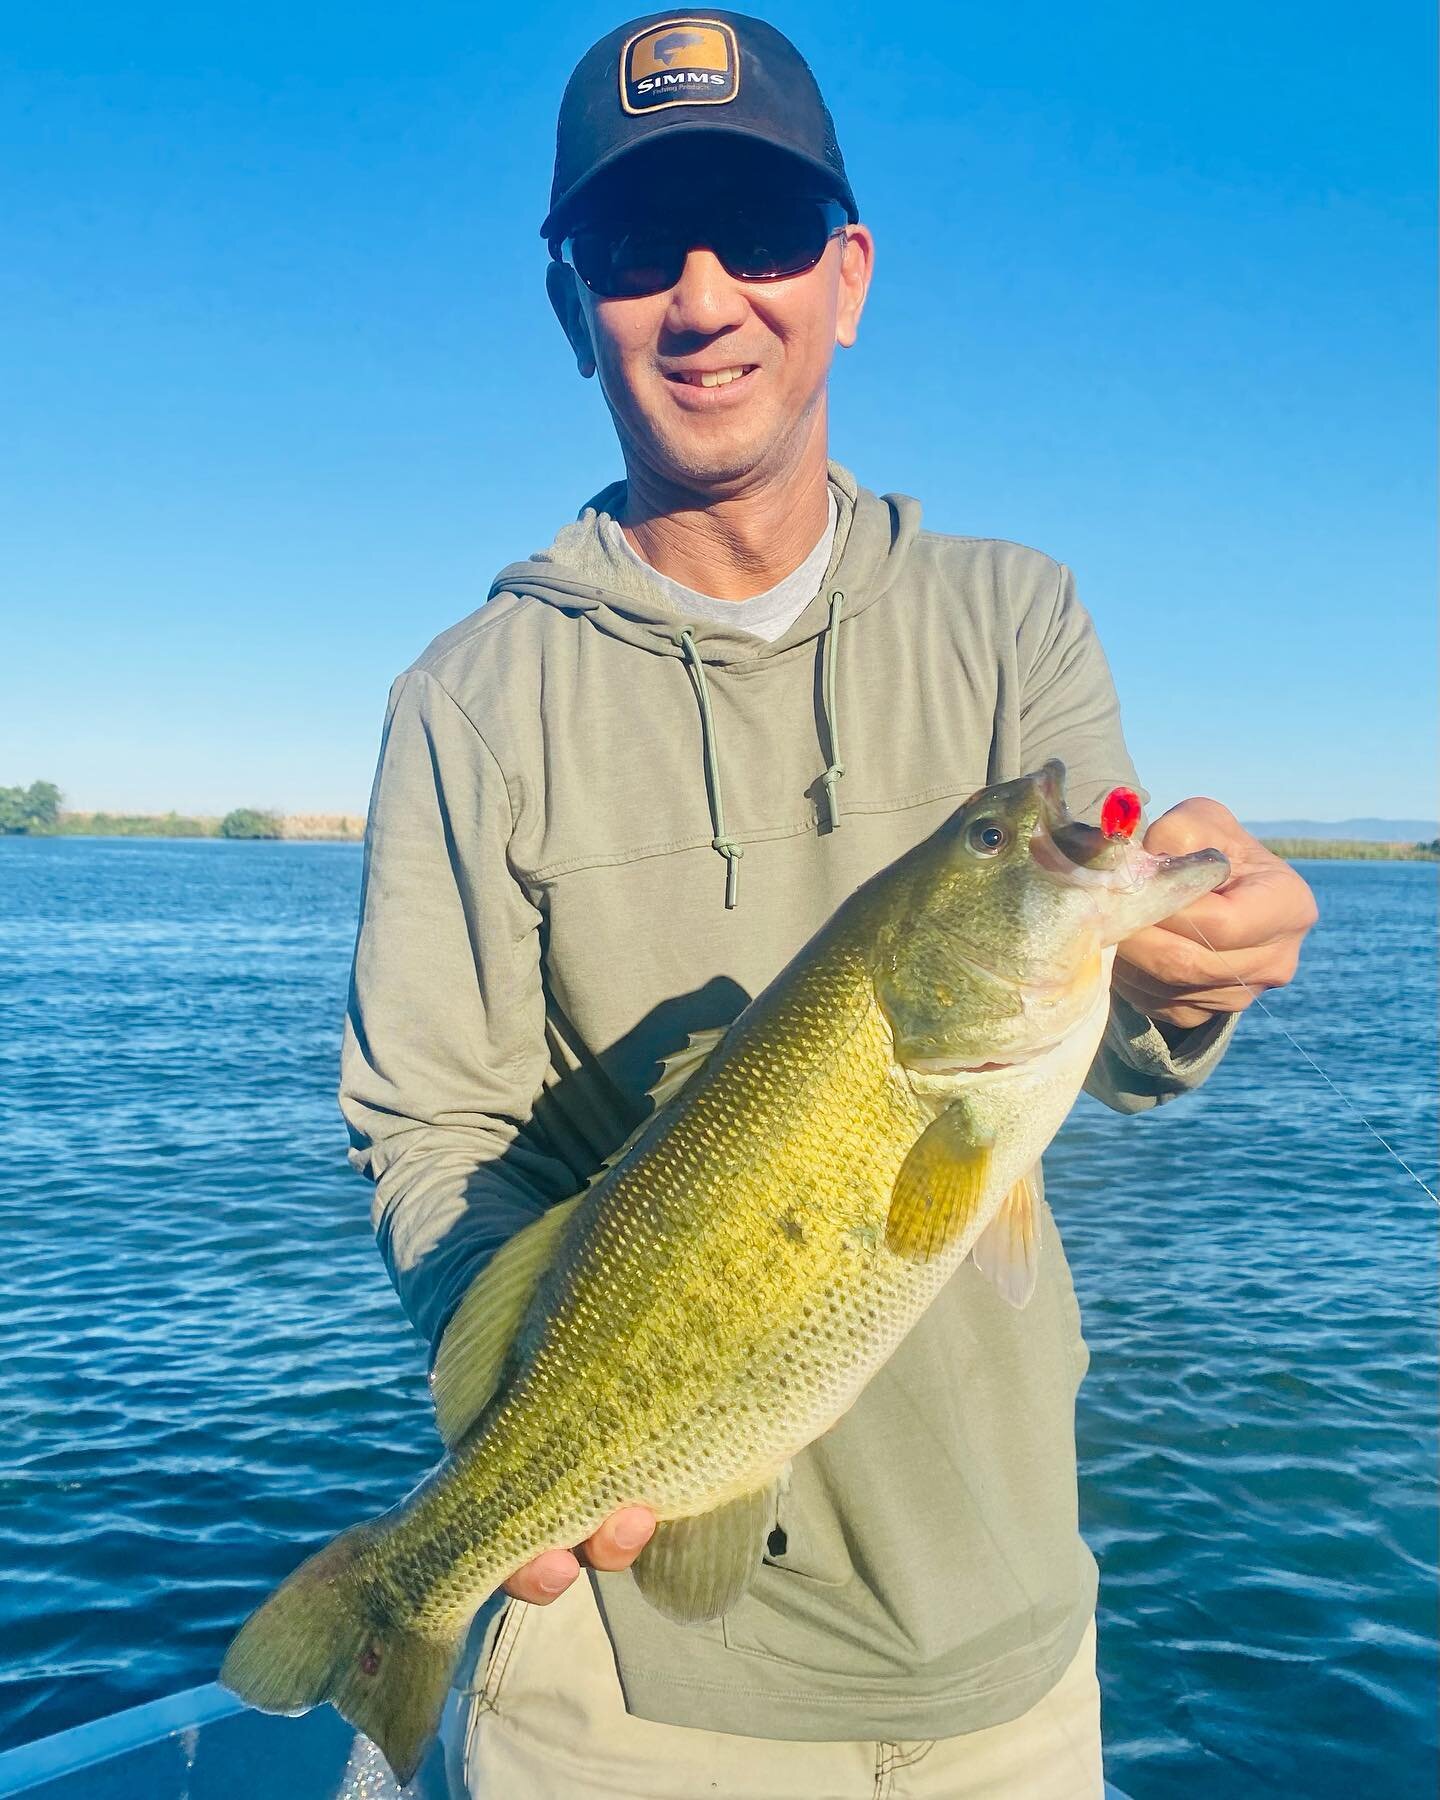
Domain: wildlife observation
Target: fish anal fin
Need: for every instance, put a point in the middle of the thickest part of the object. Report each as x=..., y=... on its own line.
x=698, y=1568
x=938, y=1187
x=474, y=1344
x=1007, y=1251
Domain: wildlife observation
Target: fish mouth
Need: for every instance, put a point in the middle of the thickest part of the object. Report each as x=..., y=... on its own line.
x=1079, y=854
x=1020, y=1057
x=1083, y=856
x=946, y=1065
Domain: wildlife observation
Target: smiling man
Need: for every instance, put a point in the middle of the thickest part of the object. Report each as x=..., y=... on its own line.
x=610, y=805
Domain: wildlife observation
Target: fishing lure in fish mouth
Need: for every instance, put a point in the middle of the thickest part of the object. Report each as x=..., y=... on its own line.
x=1120, y=813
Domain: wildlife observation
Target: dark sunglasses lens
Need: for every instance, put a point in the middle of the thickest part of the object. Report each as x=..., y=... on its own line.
x=625, y=264
x=764, y=242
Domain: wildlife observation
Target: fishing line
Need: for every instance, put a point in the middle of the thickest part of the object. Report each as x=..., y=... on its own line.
x=1118, y=819
x=1300, y=1048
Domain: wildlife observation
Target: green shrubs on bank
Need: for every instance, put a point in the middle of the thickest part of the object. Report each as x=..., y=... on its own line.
x=1351, y=850
x=36, y=808
x=250, y=822
x=156, y=825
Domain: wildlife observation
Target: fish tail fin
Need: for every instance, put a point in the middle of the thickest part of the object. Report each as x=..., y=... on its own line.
x=327, y=1634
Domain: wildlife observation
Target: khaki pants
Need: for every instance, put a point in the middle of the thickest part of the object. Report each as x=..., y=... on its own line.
x=549, y=1723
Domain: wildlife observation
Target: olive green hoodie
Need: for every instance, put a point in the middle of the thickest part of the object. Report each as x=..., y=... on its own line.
x=598, y=826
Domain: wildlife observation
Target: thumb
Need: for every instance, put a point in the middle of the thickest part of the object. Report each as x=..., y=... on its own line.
x=1196, y=824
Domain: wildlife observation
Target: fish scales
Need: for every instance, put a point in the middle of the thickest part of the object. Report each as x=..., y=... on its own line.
x=670, y=1376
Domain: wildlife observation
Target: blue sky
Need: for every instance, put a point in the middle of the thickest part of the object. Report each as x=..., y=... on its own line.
x=281, y=390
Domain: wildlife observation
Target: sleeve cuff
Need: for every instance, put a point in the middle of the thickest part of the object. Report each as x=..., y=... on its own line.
x=1135, y=1068
x=1173, y=1066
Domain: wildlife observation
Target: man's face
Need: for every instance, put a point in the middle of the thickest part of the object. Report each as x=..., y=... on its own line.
x=770, y=342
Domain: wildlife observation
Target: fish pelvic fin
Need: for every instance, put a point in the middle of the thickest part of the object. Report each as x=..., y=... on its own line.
x=939, y=1186
x=328, y=1633
x=698, y=1568
x=1007, y=1251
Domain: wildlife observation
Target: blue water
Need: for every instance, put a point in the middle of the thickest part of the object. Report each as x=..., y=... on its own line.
x=204, y=1371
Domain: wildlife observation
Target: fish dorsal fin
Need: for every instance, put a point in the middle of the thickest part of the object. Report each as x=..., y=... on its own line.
x=473, y=1345
x=694, y=1569
x=938, y=1187
x=1007, y=1251
x=676, y=1070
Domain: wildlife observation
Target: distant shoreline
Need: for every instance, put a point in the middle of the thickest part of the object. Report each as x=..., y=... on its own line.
x=295, y=828
x=349, y=828
x=1350, y=850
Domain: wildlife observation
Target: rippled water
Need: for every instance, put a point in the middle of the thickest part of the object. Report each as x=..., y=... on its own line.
x=204, y=1371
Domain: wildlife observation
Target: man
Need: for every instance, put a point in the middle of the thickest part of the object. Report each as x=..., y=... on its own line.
x=610, y=805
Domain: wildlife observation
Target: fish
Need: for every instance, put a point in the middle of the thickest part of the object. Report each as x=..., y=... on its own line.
x=667, y=48
x=720, y=1293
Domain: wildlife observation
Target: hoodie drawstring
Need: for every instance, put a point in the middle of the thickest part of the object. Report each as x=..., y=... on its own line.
x=835, y=768
x=727, y=846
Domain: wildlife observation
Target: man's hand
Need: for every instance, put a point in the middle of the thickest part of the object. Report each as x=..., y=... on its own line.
x=614, y=1546
x=1256, y=919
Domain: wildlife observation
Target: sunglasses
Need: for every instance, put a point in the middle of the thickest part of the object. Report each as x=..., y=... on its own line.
x=763, y=240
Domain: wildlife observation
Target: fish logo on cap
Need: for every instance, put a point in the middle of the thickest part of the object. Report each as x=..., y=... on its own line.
x=684, y=62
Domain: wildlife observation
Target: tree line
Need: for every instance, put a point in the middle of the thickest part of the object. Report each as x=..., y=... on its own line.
x=36, y=812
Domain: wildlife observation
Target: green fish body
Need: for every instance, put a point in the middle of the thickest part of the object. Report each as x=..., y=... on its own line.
x=720, y=1294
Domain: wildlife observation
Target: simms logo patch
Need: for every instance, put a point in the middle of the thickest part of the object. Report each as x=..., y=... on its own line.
x=684, y=62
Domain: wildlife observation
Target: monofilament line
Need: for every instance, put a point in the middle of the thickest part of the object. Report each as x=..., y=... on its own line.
x=1343, y=1098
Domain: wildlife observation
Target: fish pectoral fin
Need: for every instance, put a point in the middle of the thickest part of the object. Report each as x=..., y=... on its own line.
x=1007, y=1251
x=695, y=1569
x=938, y=1187
x=474, y=1344
x=677, y=1070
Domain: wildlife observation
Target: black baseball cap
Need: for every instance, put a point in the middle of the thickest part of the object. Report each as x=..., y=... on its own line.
x=669, y=73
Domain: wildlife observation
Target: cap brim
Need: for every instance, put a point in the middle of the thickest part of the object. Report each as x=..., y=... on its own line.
x=561, y=213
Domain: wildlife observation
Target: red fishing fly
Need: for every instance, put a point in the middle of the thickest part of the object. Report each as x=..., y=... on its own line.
x=1120, y=813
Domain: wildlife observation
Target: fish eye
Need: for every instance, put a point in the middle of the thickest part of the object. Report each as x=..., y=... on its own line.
x=987, y=837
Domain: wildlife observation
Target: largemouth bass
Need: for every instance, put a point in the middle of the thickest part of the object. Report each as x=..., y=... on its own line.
x=722, y=1291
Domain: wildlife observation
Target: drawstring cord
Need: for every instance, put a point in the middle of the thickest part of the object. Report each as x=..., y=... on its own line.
x=727, y=846
x=835, y=768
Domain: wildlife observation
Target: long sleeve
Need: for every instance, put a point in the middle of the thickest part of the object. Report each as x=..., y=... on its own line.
x=1070, y=710
x=444, y=1047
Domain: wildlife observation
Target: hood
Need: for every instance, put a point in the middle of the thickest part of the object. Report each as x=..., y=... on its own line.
x=581, y=573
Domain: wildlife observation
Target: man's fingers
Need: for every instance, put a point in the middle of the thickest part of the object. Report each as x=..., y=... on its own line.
x=543, y=1580
x=1217, y=953
x=1195, y=824
x=1166, y=959
x=1264, y=899
x=1265, y=904
x=620, y=1539
x=1158, y=1001
x=614, y=1546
